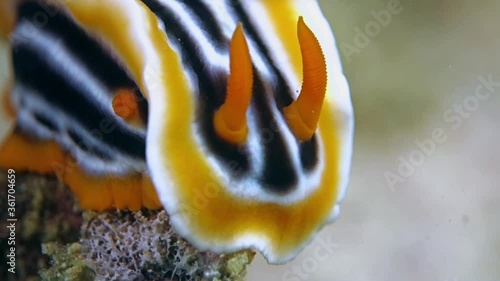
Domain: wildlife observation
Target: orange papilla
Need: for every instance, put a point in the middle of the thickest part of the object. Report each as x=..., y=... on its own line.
x=125, y=104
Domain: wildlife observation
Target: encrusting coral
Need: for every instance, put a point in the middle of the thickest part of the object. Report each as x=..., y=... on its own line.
x=45, y=211
x=113, y=245
x=142, y=246
x=67, y=263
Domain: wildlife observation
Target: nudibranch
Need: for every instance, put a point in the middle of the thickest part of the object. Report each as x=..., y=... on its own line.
x=232, y=115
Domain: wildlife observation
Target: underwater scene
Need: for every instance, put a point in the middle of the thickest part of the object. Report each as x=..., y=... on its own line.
x=249, y=140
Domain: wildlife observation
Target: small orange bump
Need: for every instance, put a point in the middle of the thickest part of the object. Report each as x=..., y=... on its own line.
x=125, y=105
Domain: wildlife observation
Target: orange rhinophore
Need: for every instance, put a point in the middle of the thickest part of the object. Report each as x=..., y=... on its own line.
x=303, y=114
x=230, y=120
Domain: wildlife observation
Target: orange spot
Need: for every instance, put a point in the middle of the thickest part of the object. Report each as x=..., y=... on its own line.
x=125, y=105
x=230, y=121
x=303, y=114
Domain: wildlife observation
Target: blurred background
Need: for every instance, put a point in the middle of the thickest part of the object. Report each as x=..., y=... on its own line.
x=424, y=196
x=438, y=218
